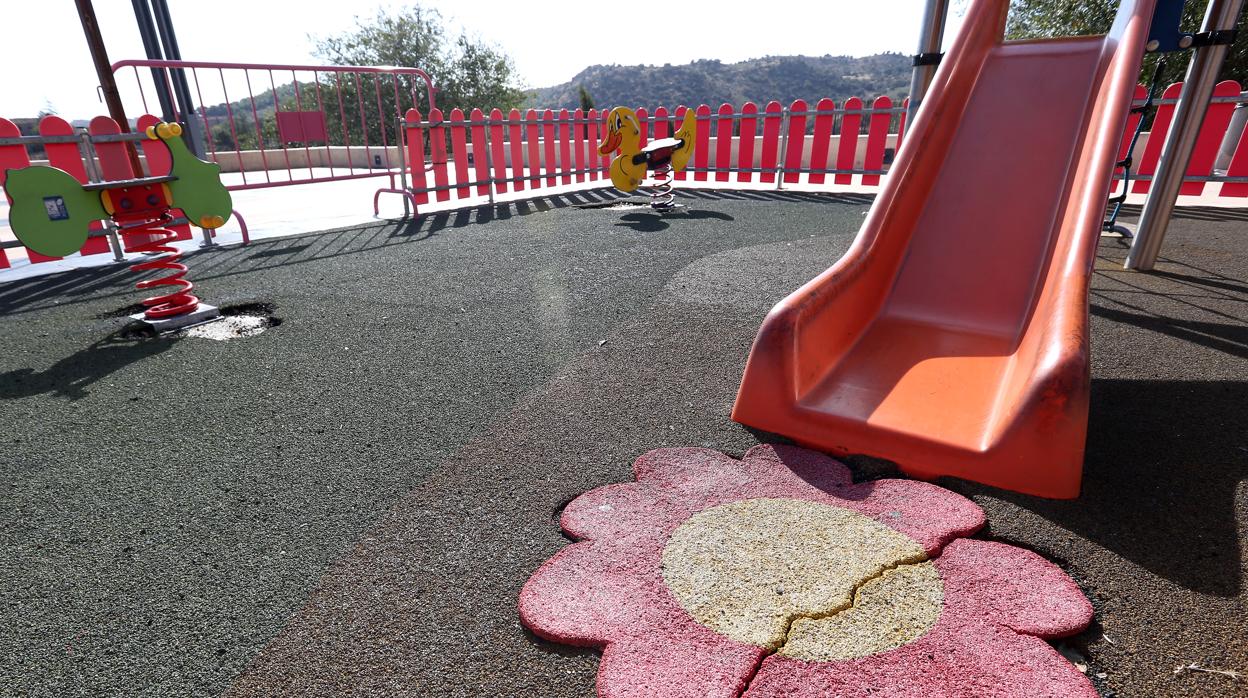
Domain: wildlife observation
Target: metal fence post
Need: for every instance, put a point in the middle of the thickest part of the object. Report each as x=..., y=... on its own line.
x=927, y=59
x=1189, y=114
x=196, y=130
x=114, y=242
x=784, y=147
x=86, y=149
x=489, y=157
x=401, y=137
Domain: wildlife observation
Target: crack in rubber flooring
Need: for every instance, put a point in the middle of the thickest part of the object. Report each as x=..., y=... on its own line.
x=350, y=502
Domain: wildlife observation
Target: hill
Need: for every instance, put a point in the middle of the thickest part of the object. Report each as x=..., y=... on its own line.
x=782, y=78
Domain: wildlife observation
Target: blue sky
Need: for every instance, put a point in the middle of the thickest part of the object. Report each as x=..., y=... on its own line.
x=549, y=42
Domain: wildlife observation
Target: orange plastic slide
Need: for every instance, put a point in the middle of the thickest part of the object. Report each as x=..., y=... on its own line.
x=952, y=337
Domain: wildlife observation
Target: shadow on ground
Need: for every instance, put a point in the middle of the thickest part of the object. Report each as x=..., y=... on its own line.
x=1225, y=337
x=71, y=376
x=654, y=222
x=78, y=285
x=1167, y=449
x=1164, y=459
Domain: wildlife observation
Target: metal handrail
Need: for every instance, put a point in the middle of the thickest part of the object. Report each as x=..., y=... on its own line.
x=389, y=70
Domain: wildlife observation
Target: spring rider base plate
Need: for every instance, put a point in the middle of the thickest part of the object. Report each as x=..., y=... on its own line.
x=204, y=313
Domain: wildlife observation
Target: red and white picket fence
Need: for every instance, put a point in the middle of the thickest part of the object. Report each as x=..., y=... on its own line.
x=480, y=155
x=473, y=158
x=1200, y=169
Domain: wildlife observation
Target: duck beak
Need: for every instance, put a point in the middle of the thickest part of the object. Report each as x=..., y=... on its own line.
x=613, y=141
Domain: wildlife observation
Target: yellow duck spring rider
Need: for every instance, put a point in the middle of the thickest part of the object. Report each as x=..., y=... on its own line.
x=662, y=156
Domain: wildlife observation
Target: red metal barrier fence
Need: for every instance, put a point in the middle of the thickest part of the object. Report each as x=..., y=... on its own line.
x=277, y=125
x=479, y=155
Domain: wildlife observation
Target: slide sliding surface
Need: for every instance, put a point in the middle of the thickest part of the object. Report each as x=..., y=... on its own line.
x=952, y=338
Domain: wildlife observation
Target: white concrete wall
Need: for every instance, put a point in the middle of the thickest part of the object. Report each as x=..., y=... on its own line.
x=335, y=156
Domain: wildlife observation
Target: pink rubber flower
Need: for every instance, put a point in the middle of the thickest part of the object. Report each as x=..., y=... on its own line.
x=777, y=576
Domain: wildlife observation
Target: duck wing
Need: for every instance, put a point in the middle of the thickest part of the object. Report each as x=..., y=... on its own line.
x=687, y=133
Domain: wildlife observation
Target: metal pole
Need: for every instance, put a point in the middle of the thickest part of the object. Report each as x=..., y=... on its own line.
x=489, y=159
x=784, y=147
x=151, y=46
x=104, y=71
x=931, y=35
x=401, y=137
x=87, y=150
x=1189, y=114
x=164, y=26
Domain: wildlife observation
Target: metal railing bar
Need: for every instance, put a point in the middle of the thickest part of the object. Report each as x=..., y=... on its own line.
x=320, y=105
x=37, y=140
x=1190, y=178
x=780, y=169
x=294, y=79
x=1238, y=99
x=589, y=170
x=255, y=116
x=277, y=109
x=314, y=180
x=229, y=110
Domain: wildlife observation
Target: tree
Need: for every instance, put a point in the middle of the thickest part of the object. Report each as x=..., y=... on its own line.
x=468, y=72
x=479, y=75
x=1047, y=18
x=587, y=103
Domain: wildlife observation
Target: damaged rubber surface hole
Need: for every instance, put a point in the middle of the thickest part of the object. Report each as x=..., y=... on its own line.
x=236, y=321
x=811, y=581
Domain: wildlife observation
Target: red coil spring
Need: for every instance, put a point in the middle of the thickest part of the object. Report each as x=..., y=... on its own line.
x=172, y=304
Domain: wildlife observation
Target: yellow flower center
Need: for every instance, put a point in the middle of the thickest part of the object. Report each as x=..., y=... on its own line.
x=812, y=581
